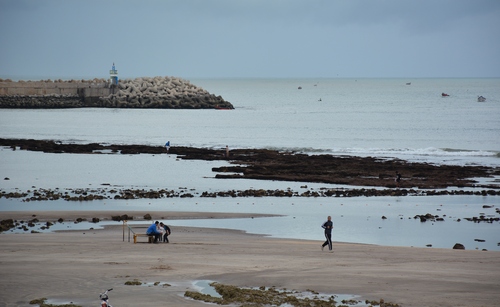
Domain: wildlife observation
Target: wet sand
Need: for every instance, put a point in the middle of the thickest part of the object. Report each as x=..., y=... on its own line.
x=74, y=266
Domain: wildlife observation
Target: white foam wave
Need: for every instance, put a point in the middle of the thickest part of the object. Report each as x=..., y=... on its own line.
x=431, y=151
x=432, y=155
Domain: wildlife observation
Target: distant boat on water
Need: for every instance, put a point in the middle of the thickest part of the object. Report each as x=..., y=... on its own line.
x=444, y=95
x=481, y=99
x=408, y=83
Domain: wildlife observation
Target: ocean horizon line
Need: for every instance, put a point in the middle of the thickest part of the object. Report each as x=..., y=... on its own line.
x=88, y=77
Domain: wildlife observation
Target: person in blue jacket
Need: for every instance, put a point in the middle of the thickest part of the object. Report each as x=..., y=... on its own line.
x=328, y=226
x=152, y=231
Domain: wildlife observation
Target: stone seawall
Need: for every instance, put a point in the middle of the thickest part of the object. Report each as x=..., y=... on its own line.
x=157, y=93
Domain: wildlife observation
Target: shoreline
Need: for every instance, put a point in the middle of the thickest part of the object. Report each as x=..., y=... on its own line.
x=77, y=265
x=107, y=214
x=33, y=221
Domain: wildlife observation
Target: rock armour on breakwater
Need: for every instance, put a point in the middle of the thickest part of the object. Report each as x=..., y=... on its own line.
x=155, y=93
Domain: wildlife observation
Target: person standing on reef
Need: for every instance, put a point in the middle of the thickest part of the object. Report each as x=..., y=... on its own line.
x=227, y=151
x=398, y=179
x=328, y=226
x=167, y=146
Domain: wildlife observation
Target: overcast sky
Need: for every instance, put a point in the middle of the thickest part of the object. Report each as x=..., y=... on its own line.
x=243, y=38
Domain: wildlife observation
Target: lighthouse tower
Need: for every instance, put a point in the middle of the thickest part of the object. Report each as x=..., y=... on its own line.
x=113, y=75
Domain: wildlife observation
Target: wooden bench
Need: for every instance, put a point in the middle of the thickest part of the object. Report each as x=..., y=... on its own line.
x=150, y=237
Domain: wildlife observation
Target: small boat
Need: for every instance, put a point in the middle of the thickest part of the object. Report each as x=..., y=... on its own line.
x=408, y=83
x=300, y=87
x=481, y=99
x=444, y=95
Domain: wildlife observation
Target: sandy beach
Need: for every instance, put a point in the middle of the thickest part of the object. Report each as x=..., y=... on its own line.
x=75, y=266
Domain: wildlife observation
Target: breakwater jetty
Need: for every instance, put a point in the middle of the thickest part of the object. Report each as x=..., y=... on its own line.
x=146, y=92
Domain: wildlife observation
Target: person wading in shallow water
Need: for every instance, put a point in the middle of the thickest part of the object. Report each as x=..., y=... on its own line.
x=328, y=226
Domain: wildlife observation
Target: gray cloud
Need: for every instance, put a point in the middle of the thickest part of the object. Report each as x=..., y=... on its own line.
x=226, y=38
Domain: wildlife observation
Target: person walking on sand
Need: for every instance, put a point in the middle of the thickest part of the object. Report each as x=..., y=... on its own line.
x=328, y=226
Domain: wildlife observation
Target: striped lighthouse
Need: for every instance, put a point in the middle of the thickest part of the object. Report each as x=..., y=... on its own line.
x=113, y=75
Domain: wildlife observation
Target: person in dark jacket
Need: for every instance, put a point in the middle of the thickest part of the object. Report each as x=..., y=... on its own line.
x=328, y=226
x=398, y=179
x=166, y=232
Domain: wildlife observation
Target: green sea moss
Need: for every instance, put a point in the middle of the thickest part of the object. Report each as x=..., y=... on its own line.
x=247, y=297
x=134, y=282
x=203, y=297
x=41, y=303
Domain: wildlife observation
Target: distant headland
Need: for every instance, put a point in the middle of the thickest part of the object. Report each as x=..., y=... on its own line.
x=146, y=92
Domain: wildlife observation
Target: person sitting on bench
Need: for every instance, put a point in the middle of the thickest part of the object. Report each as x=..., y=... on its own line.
x=152, y=231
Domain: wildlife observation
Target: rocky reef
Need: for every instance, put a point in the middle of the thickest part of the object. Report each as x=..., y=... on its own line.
x=153, y=93
x=264, y=164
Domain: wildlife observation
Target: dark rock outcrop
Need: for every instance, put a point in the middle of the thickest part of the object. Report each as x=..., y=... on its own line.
x=266, y=164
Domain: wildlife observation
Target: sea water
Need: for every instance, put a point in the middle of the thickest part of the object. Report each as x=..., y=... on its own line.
x=363, y=117
x=378, y=117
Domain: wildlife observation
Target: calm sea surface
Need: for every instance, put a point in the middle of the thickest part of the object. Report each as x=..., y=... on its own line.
x=365, y=117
